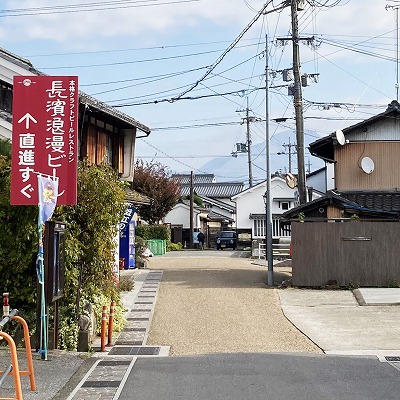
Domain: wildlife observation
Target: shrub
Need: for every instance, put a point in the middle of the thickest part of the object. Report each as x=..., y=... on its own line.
x=148, y=232
x=174, y=247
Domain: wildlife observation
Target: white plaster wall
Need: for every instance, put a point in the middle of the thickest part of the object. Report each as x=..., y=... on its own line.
x=252, y=202
x=180, y=215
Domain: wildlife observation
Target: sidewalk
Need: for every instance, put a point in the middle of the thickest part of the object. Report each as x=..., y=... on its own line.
x=342, y=322
x=333, y=319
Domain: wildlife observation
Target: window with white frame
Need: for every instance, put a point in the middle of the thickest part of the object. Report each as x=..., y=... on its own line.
x=277, y=229
x=259, y=228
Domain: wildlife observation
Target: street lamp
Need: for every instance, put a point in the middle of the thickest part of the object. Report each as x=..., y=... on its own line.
x=267, y=195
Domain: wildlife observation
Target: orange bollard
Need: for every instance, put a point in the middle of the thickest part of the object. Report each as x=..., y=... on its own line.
x=15, y=367
x=111, y=323
x=103, y=328
x=28, y=352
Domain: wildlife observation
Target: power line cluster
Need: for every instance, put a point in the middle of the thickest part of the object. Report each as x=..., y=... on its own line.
x=213, y=83
x=82, y=7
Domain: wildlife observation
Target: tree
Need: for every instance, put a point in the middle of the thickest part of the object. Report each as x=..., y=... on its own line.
x=89, y=248
x=153, y=180
x=18, y=240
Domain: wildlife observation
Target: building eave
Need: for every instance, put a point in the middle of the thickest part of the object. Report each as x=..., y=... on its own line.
x=99, y=106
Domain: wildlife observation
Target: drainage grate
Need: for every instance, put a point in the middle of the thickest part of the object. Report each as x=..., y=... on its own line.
x=129, y=342
x=135, y=329
x=135, y=310
x=143, y=302
x=137, y=319
x=107, y=363
x=392, y=359
x=134, y=351
x=101, y=384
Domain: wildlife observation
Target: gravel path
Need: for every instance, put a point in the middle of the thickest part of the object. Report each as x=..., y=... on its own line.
x=220, y=305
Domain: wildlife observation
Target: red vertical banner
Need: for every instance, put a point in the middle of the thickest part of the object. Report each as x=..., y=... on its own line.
x=44, y=137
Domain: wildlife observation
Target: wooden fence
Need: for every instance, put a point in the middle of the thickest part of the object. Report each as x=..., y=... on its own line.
x=361, y=253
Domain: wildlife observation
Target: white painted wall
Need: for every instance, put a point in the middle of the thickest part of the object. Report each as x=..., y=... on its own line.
x=180, y=215
x=251, y=201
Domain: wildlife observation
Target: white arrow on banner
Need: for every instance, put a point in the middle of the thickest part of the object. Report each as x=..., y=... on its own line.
x=27, y=117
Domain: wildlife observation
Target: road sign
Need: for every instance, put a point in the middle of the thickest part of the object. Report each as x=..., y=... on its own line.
x=44, y=136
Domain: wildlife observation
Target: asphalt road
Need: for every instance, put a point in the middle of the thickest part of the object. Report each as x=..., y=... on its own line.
x=262, y=376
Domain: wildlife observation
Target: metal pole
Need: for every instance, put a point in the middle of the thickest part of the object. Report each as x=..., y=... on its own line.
x=191, y=229
x=298, y=106
x=249, y=145
x=397, y=53
x=268, y=214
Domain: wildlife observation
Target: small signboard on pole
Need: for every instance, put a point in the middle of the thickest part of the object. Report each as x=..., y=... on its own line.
x=44, y=137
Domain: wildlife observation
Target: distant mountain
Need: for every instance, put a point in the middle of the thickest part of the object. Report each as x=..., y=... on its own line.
x=237, y=168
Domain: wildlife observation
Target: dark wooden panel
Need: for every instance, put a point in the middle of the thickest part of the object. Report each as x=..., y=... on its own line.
x=350, y=253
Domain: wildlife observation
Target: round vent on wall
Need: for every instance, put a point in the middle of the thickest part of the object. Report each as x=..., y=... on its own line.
x=367, y=165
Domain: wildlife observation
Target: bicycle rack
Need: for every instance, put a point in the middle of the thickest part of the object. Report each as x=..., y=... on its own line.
x=13, y=368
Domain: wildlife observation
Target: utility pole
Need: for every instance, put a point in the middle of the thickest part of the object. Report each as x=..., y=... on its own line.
x=289, y=146
x=249, y=144
x=396, y=8
x=298, y=106
x=308, y=166
x=246, y=148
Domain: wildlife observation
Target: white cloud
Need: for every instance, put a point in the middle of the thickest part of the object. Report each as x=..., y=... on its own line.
x=135, y=21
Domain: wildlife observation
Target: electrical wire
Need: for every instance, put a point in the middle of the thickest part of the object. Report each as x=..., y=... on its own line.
x=87, y=7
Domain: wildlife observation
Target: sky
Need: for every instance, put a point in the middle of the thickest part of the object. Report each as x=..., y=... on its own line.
x=189, y=69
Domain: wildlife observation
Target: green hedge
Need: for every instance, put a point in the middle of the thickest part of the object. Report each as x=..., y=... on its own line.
x=148, y=232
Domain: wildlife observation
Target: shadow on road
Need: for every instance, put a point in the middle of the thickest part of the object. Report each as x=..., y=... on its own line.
x=231, y=277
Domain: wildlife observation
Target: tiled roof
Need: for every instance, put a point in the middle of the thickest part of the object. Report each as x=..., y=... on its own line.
x=214, y=216
x=383, y=201
x=374, y=204
x=136, y=198
x=218, y=203
x=17, y=60
x=184, y=179
x=98, y=105
x=215, y=190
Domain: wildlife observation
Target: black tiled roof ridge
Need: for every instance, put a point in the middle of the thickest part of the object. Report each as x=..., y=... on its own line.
x=377, y=200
